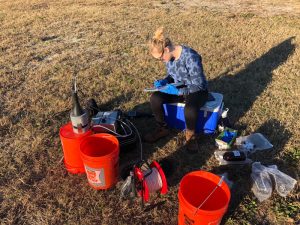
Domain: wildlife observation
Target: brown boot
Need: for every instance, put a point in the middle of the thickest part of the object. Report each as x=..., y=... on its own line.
x=191, y=142
x=158, y=133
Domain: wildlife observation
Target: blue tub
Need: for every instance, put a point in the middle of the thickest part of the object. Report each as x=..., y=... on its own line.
x=208, y=117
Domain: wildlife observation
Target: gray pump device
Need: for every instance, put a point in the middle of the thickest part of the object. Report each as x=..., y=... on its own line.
x=79, y=117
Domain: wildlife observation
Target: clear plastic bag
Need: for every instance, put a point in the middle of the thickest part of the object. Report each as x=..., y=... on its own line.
x=262, y=184
x=219, y=156
x=284, y=184
x=253, y=142
x=127, y=186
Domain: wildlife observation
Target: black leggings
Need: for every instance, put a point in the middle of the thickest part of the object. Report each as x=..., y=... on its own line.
x=193, y=102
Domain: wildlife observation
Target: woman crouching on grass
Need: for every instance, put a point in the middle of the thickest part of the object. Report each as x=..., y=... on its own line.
x=183, y=65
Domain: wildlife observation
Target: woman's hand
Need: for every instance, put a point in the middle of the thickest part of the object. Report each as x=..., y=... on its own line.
x=160, y=83
x=170, y=89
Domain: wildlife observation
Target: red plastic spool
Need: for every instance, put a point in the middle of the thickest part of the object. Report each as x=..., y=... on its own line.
x=144, y=193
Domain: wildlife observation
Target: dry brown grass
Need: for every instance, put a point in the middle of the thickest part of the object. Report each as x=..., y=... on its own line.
x=253, y=60
x=258, y=7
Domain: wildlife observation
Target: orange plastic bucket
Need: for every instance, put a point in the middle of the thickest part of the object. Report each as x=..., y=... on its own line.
x=100, y=156
x=71, y=147
x=194, y=188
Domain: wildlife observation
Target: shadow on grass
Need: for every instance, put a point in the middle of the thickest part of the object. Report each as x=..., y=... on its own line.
x=241, y=90
x=144, y=125
x=115, y=102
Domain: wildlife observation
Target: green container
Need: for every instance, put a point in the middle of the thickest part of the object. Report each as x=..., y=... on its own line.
x=226, y=138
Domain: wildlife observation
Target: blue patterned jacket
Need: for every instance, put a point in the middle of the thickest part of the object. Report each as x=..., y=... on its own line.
x=187, y=69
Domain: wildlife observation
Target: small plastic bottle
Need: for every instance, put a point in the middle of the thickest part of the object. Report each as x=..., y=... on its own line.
x=224, y=122
x=234, y=156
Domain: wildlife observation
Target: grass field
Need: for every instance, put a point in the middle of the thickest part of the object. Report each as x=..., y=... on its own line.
x=250, y=53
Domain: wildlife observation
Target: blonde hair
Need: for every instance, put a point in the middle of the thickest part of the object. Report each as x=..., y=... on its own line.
x=159, y=41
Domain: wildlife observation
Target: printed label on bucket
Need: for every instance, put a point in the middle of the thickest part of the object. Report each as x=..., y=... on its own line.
x=187, y=220
x=95, y=176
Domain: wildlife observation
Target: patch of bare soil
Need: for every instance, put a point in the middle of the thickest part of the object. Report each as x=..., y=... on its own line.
x=257, y=7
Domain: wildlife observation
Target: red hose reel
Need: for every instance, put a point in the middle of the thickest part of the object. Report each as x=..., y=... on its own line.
x=144, y=180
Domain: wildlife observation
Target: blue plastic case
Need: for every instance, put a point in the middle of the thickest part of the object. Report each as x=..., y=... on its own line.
x=208, y=116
